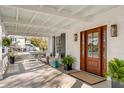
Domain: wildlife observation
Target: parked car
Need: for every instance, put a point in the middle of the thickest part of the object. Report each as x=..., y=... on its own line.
x=30, y=47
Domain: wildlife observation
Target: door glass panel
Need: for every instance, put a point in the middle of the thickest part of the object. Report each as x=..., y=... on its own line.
x=104, y=44
x=95, y=45
x=90, y=45
x=83, y=44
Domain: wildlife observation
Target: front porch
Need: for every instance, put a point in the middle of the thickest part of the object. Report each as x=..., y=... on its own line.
x=31, y=73
x=71, y=30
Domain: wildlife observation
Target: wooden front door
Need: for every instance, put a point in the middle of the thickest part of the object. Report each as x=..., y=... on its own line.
x=93, y=46
x=93, y=50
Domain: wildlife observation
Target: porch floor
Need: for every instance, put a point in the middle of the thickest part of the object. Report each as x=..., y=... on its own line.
x=31, y=73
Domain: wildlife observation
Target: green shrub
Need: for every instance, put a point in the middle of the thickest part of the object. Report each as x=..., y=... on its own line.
x=116, y=70
x=68, y=60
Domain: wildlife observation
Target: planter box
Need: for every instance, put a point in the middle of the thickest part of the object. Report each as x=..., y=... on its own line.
x=116, y=84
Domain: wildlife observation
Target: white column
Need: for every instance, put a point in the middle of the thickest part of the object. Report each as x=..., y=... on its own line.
x=50, y=44
x=0, y=52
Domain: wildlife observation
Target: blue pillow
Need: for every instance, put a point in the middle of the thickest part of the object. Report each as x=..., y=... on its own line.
x=55, y=63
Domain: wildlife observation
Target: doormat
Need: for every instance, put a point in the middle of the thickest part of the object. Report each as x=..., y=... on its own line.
x=87, y=77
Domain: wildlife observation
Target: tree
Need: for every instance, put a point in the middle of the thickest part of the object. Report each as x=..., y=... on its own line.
x=39, y=42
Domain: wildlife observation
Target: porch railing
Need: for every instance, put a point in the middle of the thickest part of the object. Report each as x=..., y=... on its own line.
x=4, y=65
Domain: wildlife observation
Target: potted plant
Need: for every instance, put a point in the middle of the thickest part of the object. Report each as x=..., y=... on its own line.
x=12, y=56
x=51, y=54
x=68, y=61
x=6, y=43
x=116, y=72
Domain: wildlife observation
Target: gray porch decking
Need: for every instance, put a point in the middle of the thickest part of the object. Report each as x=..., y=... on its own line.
x=31, y=73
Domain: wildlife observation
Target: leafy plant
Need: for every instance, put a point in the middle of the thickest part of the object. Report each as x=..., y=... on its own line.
x=116, y=70
x=68, y=60
x=6, y=41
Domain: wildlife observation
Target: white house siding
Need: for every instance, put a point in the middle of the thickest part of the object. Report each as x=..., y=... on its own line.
x=115, y=45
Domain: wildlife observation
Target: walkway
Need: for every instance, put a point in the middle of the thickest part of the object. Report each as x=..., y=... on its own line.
x=31, y=73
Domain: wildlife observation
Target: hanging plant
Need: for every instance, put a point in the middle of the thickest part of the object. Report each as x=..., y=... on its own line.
x=6, y=41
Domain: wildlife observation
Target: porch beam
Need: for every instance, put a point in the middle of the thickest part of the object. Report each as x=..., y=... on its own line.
x=57, y=22
x=10, y=32
x=31, y=21
x=77, y=11
x=70, y=22
x=39, y=10
x=17, y=14
x=47, y=20
x=33, y=18
x=31, y=25
x=32, y=32
x=61, y=8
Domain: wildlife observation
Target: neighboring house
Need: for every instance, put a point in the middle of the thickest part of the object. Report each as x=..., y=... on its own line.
x=22, y=43
x=18, y=40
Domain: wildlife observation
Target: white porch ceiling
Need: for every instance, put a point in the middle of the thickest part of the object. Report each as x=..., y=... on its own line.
x=43, y=20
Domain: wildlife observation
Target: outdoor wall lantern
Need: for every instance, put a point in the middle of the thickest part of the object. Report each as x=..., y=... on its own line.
x=75, y=37
x=114, y=30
